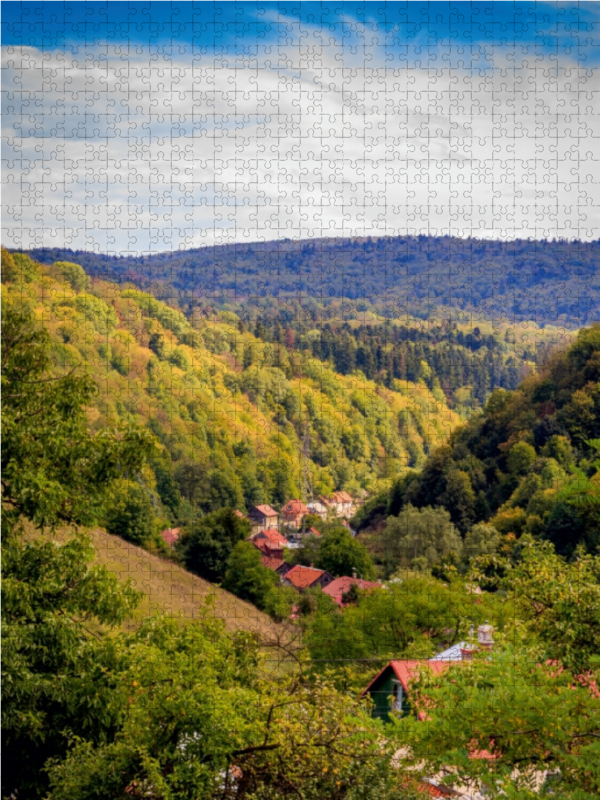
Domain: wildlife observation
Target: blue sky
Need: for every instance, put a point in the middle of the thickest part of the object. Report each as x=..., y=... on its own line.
x=549, y=26
x=137, y=127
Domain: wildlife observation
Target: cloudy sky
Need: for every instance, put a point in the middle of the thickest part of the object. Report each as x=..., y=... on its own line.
x=136, y=127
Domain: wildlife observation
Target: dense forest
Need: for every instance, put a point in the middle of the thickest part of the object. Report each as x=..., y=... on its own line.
x=232, y=412
x=465, y=364
x=548, y=282
x=526, y=466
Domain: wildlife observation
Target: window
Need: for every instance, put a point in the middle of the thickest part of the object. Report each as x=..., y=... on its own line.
x=396, y=696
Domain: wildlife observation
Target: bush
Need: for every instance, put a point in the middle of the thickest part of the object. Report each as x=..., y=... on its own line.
x=130, y=514
x=207, y=546
x=246, y=577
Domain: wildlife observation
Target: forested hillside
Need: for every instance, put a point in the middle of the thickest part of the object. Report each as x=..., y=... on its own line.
x=232, y=412
x=549, y=282
x=527, y=465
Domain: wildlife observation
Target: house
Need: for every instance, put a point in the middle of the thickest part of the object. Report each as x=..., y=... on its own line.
x=389, y=690
x=270, y=542
x=317, y=508
x=463, y=651
x=263, y=517
x=170, y=536
x=239, y=514
x=278, y=565
x=302, y=578
x=346, y=525
x=341, y=586
x=293, y=513
x=339, y=504
x=296, y=537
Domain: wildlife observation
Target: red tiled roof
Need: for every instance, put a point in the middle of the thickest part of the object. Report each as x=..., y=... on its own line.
x=294, y=507
x=315, y=531
x=271, y=536
x=271, y=562
x=269, y=549
x=342, y=497
x=303, y=577
x=327, y=501
x=266, y=511
x=170, y=536
x=436, y=791
x=408, y=670
x=340, y=586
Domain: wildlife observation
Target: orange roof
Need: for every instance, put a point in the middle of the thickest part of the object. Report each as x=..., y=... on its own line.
x=436, y=791
x=342, y=497
x=408, y=670
x=315, y=531
x=271, y=537
x=266, y=511
x=327, y=501
x=303, y=577
x=270, y=562
x=268, y=549
x=294, y=507
x=340, y=586
x=170, y=536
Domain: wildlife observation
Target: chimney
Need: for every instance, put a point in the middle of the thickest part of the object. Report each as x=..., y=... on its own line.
x=485, y=636
x=467, y=651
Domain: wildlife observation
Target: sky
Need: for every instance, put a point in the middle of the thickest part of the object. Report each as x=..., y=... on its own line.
x=144, y=127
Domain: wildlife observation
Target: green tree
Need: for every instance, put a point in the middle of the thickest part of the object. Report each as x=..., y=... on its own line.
x=246, y=577
x=53, y=468
x=482, y=539
x=459, y=499
x=279, y=601
x=521, y=458
x=527, y=714
x=166, y=486
x=191, y=478
x=130, y=514
x=73, y=274
x=533, y=701
x=340, y=554
x=202, y=718
x=409, y=619
x=419, y=533
x=209, y=542
x=55, y=606
x=19, y=267
x=559, y=602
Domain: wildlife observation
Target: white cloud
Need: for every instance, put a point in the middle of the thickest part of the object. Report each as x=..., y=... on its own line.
x=115, y=150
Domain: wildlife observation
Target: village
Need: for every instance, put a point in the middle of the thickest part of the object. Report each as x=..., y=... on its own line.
x=275, y=531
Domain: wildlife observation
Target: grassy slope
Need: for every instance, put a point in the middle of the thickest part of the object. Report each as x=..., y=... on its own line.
x=168, y=589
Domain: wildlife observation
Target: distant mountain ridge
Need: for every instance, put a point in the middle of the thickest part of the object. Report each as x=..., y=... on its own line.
x=549, y=282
